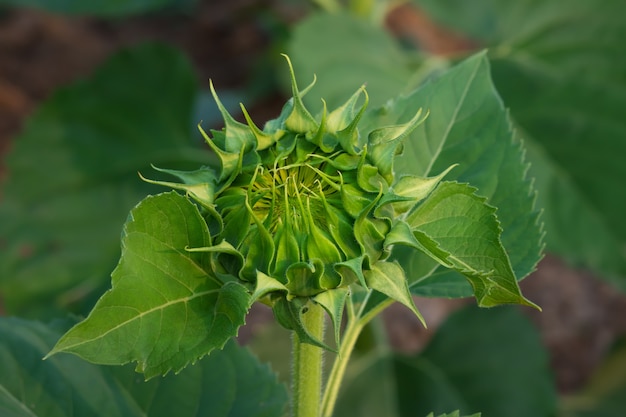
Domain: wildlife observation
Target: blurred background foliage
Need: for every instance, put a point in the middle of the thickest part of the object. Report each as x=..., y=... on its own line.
x=86, y=103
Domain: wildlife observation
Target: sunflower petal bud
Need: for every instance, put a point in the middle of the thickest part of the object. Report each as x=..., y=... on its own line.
x=307, y=207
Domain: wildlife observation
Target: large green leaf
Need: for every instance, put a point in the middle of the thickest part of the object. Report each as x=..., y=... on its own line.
x=470, y=352
x=469, y=126
x=72, y=174
x=66, y=386
x=164, y=310
x=98, y=7
x=488, y=361
x=59, y=387
x=560, y=65
x=551, y=36
x=229, y=383
x=346, y=52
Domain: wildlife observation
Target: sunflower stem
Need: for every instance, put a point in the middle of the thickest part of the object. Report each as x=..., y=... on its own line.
x=307, y=366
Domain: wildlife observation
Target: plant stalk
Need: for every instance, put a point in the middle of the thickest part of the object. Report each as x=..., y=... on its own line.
x=352, y=332
x=339, y=367
x=307, y=366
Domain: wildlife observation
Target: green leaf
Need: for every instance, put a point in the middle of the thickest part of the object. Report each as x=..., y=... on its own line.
x=11, y=407
x=455, y=220
x=98, y=7
x=163, y=311
x=549, y=36
x=470, y=351
x=327, y=45
x=562, y=74
x=467, y=125
x=59, y=387
x=488, y=360
x=578, y=129
x=575, y=229
x=72, y=175
x=401, y=234
x=258, y=392
x=230, y=382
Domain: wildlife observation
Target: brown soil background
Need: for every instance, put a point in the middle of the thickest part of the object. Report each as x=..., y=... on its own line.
x=39, y=52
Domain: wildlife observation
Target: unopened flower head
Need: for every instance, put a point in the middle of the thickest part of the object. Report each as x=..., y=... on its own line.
x=304, y=205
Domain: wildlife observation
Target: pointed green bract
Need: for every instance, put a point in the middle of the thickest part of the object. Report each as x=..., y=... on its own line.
x=385, y=142
x=200, y=183
x=165, y=309
x=333, y=302
x=237, y=136
x=289, y=314
x=389, y=279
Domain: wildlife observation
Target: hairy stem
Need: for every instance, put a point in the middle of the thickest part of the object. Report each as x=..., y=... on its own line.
x=307, y=366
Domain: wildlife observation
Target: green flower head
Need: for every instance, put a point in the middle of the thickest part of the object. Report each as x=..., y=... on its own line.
x=306, y=207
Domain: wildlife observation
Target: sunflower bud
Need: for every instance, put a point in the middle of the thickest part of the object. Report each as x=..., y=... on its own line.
x=301, y=208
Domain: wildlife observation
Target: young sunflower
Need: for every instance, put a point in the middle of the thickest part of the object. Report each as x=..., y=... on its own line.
x=307, y=207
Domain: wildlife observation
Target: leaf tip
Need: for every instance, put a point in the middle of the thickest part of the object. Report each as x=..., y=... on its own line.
x=526, y=302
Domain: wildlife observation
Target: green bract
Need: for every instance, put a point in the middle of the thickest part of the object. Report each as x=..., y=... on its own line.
x=302, y=208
